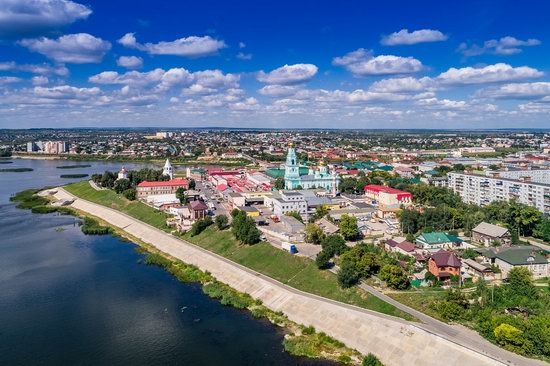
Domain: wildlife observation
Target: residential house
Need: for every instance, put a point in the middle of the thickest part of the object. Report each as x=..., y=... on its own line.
x=507, y=258
x=444, y=264
x=478, y=270
x=486, y=234
x=437, y=240
x=197, y=209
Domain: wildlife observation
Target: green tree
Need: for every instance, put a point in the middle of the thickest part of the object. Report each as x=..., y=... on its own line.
x=192, y=184
x=296, y=215
x=322, y=260
x=542, y=230
x=348, y=227
x=221, y=221
x=520, y=282
x=469, y=254
x=180, y=194
x=334, y=245
x=130, y=194
x=279, y=183
x=313, y=234
x=244, y=228
x=320, y=212
x=395, y=277
x=120, y=185
x=369, y=264
x=348, y=275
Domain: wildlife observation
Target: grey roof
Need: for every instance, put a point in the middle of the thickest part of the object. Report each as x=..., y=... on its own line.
x=491, y=230
x=477, y=266
x=291, y=193
x=316, y=201
x=248, y=209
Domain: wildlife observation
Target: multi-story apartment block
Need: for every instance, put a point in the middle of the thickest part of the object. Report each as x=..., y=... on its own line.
x=534, y=175
x=48, y=147
x=482, y=190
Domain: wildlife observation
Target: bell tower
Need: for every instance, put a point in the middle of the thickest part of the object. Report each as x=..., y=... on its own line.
x=292, y=172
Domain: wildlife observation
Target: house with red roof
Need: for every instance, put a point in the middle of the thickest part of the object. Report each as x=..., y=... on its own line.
x=146, y=188
x=444, y=264
x=387, y=196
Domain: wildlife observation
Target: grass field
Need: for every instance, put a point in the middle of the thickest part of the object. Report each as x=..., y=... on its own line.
x=109, y=198
x=420, y=300
x=298, y=272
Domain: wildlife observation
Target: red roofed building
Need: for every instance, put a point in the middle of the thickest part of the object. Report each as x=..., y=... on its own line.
x=444, y=264
x=387, y=196
x=145, y=189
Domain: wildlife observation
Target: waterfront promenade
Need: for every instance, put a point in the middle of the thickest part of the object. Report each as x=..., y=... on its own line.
x=393, y=340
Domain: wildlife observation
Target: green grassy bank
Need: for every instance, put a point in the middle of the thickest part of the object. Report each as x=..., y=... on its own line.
x=298, y=272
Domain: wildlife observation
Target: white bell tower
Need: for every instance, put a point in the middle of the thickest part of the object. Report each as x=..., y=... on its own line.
x=167, y=170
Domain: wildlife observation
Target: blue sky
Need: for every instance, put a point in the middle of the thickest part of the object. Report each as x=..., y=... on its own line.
x=353, y=64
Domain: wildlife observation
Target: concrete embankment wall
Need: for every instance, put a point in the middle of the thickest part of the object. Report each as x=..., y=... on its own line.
x=394, y=341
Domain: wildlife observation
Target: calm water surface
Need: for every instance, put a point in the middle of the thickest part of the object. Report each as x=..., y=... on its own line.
x=71, y=299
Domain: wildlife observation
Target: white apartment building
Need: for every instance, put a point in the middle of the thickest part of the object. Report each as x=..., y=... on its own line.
x=482, y=190
x=535, y=175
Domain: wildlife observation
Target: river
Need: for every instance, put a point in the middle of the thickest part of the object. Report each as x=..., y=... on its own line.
x=71, y=299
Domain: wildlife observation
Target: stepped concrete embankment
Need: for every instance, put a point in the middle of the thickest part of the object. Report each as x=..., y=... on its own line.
x=395, y=341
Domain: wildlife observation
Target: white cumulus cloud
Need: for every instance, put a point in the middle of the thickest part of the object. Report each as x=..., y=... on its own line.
x=362, y=63
x=404, y=37
x=505, y=46
x=489, y=74
x=517, y=91
x=289, y=74
x=77, y=48
x=130, y=62
x=403, y=85
x=192, y=46
x=19, y=18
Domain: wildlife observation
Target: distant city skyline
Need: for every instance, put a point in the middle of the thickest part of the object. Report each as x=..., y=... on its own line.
x=308, y=64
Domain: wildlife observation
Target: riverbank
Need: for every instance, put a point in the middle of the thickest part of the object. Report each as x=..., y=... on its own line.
x=294, y=271
x=299, y=340
x=122, y=159
x=393, y=340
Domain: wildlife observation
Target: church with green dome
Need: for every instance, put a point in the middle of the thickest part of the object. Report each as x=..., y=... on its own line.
x=320, y=177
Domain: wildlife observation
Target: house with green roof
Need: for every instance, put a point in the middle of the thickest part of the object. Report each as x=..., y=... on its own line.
x=438, y=240
x=527, y=256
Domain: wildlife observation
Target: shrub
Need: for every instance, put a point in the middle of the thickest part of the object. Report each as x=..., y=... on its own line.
x=371, y=360
x=200, y=225
x=221, y=221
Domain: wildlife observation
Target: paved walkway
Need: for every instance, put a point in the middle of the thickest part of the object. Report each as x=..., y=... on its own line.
x=395, y=341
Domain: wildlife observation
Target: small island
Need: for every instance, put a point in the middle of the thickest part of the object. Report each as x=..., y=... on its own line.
x=6, y=162
x=16, y=170
x=73, y=175
x=73, y=166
